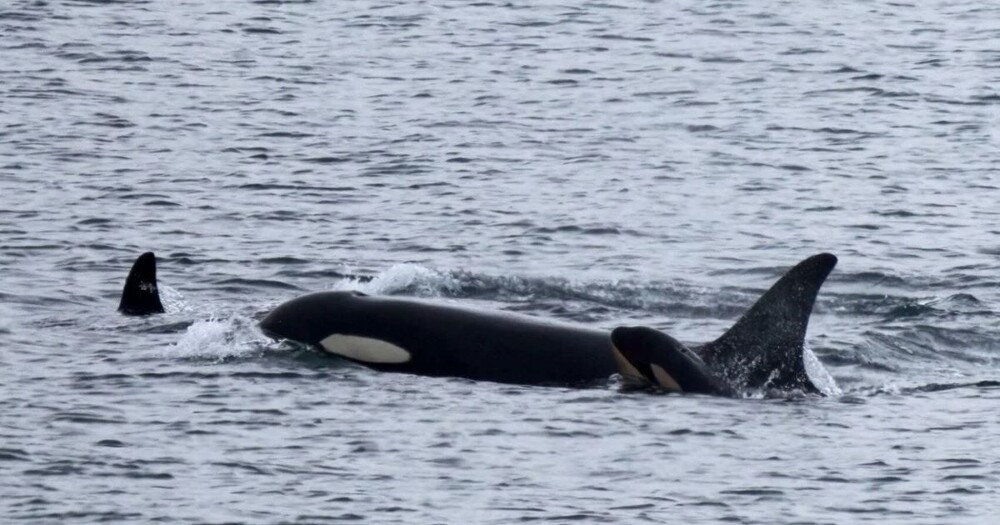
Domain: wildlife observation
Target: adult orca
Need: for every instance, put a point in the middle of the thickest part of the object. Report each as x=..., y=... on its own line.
x=763, y=350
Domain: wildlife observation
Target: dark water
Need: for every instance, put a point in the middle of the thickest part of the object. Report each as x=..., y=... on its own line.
x=599, y=163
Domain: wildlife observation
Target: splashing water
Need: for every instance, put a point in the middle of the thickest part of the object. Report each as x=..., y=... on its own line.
x=219, y=339
x=173, y=300
x=818, y=374
x=408, y=278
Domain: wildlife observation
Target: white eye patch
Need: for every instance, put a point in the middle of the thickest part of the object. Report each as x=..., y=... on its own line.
x=364, y=349
x=665, y=380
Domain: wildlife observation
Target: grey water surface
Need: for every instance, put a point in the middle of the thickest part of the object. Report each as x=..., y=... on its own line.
x=600, y=163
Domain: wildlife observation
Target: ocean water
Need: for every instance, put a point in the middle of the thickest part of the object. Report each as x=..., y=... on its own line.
x=600, y=163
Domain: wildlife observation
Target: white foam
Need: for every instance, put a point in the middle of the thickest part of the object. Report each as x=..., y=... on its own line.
x=890, y=388
x=818, y=374
x=400, y=277
x=218, y=339
x=172, y=299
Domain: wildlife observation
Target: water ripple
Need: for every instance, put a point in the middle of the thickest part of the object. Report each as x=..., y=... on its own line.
x=601, y=163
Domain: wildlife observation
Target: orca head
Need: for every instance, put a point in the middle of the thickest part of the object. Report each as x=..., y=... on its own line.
x=648, y=357
x=641, y=352
x=336, y=322
x=311, y=318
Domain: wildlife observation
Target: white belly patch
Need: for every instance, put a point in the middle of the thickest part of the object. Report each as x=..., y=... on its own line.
x=364, y=349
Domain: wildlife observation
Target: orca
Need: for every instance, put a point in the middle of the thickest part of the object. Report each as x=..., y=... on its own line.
x=396, y=334
x=648, y=357
x=762, y=350
x=140, y=295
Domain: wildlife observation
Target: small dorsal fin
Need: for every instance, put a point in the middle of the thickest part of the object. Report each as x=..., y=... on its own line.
x=764, y=348
x=140, y=295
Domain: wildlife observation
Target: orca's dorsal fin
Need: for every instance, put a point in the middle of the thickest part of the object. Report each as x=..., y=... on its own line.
x=764, y=348
x=140, y=295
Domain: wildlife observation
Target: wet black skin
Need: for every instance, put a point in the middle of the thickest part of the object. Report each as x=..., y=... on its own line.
x=447, y=340
x=140, y=295
x=644, y=348
x=764, y=349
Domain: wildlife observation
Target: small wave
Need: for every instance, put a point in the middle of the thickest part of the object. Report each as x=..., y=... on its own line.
x=402, y=279
x=14, y=454
x=219, y=339
x=893, y=389
x=965, y=347
x=561, y=297
x=237, y=283
x=940, y=387
x=895, y=307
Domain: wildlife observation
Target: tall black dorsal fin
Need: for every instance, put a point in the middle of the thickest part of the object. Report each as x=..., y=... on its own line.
x=140, y=296
x=764, y=348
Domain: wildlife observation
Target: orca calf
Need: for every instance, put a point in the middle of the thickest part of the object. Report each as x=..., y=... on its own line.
x=648, y=357
x=763, y=350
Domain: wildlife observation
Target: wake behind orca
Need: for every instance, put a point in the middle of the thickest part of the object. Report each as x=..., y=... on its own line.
x=763, y=350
